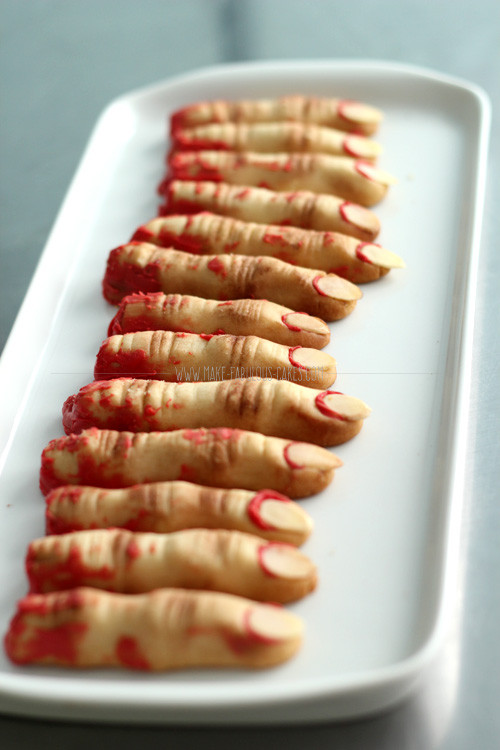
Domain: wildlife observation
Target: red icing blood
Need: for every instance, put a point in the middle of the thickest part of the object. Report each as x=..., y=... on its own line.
x=198, y=437
x=343, y=271
x=242, y=194
x=129, y=654
x=324, y=409
x=292, y=360
x=122, y=278
x=217, y=266
x=187, y=473
x=207, y=336
x=69, y=573
x=231, y=247
x=222, y=304
x=176, y=205
x=189, y=242
x=142, y=234
x=127, y=364
x=56, y=525
x=59, y=643
x=292, y=464
x=274, y=239
x=133, y=551
x=261, y=557
x=187, y=165
x=185, y=142
x=253, y=509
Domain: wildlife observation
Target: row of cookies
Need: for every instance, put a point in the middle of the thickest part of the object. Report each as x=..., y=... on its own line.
x=161, y=549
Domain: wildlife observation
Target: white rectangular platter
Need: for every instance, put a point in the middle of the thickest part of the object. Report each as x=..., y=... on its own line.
x=386, y=530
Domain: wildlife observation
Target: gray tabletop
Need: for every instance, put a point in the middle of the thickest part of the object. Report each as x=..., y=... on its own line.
x=61, y=63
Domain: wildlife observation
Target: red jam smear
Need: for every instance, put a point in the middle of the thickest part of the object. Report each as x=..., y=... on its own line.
x=217, y=266
x=128, y=654
x=324, y=409
x=185, y=142
x=253, y=509
x=183, y=168
x=122, y=278
x=143, y=234
x=65, y=574
x=274, y=239
x=56, y=644
x=131, y=364
x=89, y=471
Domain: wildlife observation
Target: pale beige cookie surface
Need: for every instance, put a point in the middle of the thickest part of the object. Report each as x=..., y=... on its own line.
x=273, y=137
x=128, y=562
x=208, y=233
x=300, y=208
x=169, y=356
x=352, y=179
x=243, y=317
x=161, y=630
x=271, y=407
x=144, y=267
x=218, y=457
x=164, y=507
x=345, y=114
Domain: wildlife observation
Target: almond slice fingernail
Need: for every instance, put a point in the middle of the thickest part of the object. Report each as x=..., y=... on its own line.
x=299, y=321
x=309, y=456
x=312, y=359
x=285, y=516
x=339, y=406
x=358, y=112
x=374, y=173
x=359, y=147
x=378, y=255
x=281, y=560
x=333, y=286
x=360, y=217
x=268, y=623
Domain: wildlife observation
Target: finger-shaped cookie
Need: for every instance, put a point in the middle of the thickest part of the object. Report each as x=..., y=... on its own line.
x=144, y=267
x=208, y=233
x=300, y=208
x=163, y=507
x=160, y=630
x=241, y=317
x=273, y=137
x=216, y=457
x=271, y=407
x=129, y=562
x=169, y=356
x=351, y=179
x=344, y=114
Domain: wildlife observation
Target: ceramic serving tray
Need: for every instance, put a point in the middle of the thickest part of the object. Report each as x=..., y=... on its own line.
x=386, y=530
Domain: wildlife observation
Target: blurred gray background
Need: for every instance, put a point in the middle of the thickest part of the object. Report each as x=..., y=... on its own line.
x=61, y=61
